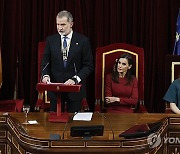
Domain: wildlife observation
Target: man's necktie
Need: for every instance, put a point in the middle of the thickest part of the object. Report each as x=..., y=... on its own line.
x=65, y=51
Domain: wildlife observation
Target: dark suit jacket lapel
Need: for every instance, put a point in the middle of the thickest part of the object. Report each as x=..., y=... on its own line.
x=57, y=42
x=73, y=46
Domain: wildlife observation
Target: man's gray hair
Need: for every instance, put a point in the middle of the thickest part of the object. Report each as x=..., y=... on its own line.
x=66, y=14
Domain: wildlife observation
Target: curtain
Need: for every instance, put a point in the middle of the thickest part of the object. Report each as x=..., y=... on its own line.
x=150, y=24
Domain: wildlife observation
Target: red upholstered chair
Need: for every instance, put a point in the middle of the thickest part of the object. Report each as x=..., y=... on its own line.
x=172, y=72
x=11, y=105
x=105, y=59
x=43, y=101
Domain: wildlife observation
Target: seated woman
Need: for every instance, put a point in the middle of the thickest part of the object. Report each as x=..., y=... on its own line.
x=121, y=87
x=173, y=96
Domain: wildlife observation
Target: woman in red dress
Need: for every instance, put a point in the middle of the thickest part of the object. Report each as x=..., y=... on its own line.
x=121, y=87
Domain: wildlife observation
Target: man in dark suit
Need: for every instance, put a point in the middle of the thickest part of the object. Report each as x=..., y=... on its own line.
x=67, y=59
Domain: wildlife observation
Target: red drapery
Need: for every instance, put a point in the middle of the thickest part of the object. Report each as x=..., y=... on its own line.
x=149, y=24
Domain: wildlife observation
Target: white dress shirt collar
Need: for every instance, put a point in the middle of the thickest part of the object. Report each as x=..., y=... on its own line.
x=69, y=36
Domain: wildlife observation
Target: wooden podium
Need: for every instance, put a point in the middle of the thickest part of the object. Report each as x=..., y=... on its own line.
x=58, y=87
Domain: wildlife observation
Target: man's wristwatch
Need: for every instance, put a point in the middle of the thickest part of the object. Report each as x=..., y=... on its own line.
x=75, y=80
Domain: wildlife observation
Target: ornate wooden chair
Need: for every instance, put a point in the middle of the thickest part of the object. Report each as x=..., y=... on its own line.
x=105, y=59
x=43, y=101
x=172, y=70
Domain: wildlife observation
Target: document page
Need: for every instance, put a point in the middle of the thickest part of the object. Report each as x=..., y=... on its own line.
x=84, y=116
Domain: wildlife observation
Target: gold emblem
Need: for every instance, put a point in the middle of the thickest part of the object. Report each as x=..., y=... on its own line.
x=57, y=88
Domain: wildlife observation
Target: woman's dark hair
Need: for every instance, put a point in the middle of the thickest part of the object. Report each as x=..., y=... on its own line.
x=129, y=75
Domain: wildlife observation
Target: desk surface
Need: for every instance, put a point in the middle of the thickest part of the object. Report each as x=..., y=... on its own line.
x=118, y=122
x=40, y=133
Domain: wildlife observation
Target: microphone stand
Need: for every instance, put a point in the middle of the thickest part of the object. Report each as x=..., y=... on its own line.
x=70, y=119
x=43, y=71
x=108, y=122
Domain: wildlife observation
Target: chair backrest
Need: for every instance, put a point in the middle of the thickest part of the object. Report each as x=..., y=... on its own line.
x=105, y=59
x=41, y=46
x=43, y=101
x=172, y=70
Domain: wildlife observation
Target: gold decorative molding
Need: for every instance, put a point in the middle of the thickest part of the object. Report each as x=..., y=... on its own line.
x=175, y=151
x=40, y=95
x=8, y=149
x=2, y=119
x=46, y=97
x=172, y=69
x=57, y=88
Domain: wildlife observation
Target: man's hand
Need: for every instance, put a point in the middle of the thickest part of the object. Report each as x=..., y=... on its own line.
x=46, y=79
x=69, y=82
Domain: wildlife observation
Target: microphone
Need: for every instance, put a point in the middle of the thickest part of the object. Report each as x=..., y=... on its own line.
x=43, y=70
x=70, y=119
x=45, y=66
x=74, y=78
x=108, y=122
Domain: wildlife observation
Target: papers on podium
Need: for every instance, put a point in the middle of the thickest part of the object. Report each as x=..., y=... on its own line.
x=83, y=116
